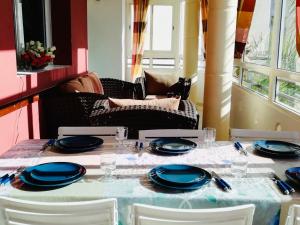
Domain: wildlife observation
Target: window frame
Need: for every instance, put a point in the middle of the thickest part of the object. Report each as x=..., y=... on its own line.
x=152, y=55
x=19, y=29
x=273, y=71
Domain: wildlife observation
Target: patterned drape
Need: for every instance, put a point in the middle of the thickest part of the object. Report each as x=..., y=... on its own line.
x=298, y=26
x=139, y=27
x=204, y=15
x=243, y=23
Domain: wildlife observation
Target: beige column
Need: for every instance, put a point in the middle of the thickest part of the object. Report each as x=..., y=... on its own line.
x=191, y=42
x=219, y=66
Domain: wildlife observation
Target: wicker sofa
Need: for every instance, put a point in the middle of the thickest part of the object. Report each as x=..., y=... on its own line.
x=91, y=109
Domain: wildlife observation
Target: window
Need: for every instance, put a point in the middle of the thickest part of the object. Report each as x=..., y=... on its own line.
x=32, y=22
x=161, y=37
x=258, y=48
x=288, y=94
x=270, y=65
x=256, y=82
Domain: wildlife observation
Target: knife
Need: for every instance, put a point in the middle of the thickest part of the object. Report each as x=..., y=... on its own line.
x=4, y=177
x=220, y=182
x=279, y=184
x=239, y=147
x=289, y=187
x=50, y=142
x=8, y=179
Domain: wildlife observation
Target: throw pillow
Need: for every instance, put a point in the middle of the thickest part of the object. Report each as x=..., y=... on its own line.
x=159, y=84
x=168, y=103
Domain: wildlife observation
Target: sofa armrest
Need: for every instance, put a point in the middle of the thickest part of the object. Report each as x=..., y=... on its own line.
x=118, y=88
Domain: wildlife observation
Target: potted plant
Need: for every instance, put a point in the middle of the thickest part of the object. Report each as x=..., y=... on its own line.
x=35, y=56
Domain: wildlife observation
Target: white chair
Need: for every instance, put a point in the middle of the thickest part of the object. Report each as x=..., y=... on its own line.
x=248, y=134
x=150, y=215
x=181, y=133
x=106, y=133
x=293, y=217
x=96, y=212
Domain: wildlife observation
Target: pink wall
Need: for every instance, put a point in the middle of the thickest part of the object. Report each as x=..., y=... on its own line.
x=24, y=123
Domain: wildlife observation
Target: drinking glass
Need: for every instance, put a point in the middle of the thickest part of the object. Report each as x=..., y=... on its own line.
x=209, y=136
x=121, y=135
x=108, y=165
x=239, y=164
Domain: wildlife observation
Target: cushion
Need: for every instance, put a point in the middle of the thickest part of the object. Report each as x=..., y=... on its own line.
x=168, y=103
x=159, y=84
x=85, y=83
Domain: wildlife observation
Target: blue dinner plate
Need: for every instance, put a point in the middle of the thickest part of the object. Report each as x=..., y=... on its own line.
x=293, y=174
x=165, y=184
x=182, y=174
x=52, y=174
x=277, y=148
x=77, y=144
x=172, y=145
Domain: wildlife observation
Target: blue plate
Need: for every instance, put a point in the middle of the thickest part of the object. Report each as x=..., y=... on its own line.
x=293, y=174
x=52, y=174
x=277, y=148
x=156, y=180
x=172, y=145
x=80, y=141
x=65, y=145
x=182, y=174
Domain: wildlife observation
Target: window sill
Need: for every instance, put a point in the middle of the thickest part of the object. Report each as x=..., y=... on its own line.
x=48, y=68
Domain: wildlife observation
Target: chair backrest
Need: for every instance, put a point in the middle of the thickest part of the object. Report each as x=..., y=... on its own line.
x=106, y=133
x=96, y=212
x=181, y=133
x=293, y=217
x=248, y=134
x=150, y=215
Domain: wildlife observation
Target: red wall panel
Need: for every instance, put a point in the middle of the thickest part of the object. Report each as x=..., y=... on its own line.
x=24, y=123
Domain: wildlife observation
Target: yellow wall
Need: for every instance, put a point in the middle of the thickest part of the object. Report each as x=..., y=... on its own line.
x=250, y=111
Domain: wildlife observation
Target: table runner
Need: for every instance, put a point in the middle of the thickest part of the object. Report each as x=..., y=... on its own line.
x=131, y=185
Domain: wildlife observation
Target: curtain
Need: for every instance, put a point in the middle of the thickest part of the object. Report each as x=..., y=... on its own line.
x=243, y=23
x=204, y=15
x=140, y=8
x=298, y=26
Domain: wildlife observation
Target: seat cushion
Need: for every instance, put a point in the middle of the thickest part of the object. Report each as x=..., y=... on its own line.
x=168, y=103
x=158, y=83
x=86, y=83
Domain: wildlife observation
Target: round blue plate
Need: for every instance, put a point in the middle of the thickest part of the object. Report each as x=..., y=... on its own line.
x=182, y=174
x=55, y=174
x=293, y=174
x=84, y=147
x=165, y=184
x=172, y=145
x=80, y=141
x=277, y=147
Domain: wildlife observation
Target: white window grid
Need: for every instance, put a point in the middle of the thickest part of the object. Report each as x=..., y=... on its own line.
x=272, y=71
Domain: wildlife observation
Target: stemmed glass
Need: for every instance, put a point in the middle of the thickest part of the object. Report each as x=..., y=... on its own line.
x=121, y=135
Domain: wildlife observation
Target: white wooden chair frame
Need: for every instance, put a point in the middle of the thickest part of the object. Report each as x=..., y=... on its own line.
x=96, y=212
x=106, y=133
x=181, y=133
x=293, y=217
x=151, y=215
x=248, y=134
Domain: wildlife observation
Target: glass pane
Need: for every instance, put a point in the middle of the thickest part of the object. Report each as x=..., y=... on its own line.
x=256, y=82
x=163, y=63
x=258, y=47
x=288, y=94
x=288, y=57
x=236, y=72
x=162, y=27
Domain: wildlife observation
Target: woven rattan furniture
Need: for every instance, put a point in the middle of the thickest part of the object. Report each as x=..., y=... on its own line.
x=145, y=117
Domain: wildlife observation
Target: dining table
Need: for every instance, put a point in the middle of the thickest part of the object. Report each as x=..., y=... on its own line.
x=130, y=183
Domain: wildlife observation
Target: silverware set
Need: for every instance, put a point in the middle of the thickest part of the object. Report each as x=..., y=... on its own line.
x=238, y=146
x=220, y=182
x=284, y=187
x=8, y=178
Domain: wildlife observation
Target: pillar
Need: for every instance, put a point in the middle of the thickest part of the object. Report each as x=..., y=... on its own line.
x=219, y=65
